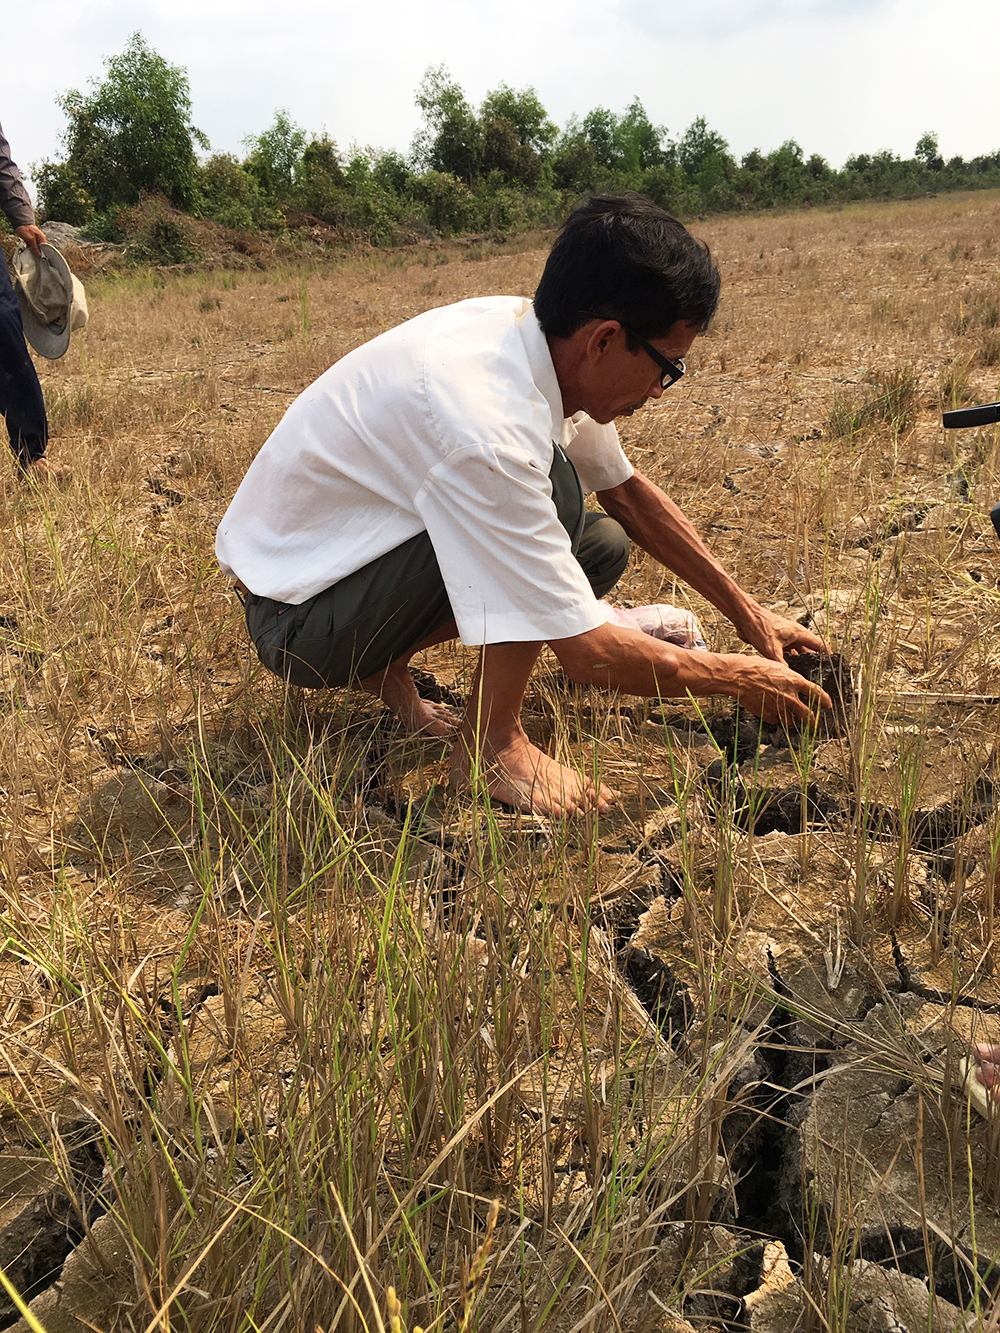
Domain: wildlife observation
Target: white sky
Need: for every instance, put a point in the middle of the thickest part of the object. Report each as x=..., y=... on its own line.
x=840, y=76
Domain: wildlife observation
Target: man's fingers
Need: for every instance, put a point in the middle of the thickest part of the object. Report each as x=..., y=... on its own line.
x=32, y=236
x=801, y=703
x=791, y=708
x=817, y=695
x=808, y=642
x=809, y=701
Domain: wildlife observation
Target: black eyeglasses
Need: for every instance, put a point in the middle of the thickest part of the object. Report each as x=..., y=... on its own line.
x=670, y=371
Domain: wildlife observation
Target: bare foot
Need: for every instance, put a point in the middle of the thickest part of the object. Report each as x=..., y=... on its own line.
x=397, y=691
x=518, y=774
x=43, y=472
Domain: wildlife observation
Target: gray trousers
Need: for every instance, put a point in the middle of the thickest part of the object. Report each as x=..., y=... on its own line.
x=357, y=627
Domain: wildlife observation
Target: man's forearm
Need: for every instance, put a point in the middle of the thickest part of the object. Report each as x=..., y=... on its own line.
x=620, y=659
x=617, y=659
x=655, y=523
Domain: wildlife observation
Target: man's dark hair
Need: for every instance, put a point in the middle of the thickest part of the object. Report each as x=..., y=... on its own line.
x=623, y=257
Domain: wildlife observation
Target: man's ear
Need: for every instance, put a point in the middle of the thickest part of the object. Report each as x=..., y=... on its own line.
x=601, y=339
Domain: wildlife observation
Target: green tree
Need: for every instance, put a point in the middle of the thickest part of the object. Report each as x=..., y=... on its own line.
x=610, y=150
x=638, y=142
x=391, y=171
x=319, y=176
x=575, y=166
x=274, y=157
x=451, y=138
x=525, y=113
x=927, y=152
x=369, y=211
x=132, y=134
x=704, y=155
x=598, y=128
x=787, y=174
x=516, y=135
x=503, y=153
x=818, y=167
x=321, y=158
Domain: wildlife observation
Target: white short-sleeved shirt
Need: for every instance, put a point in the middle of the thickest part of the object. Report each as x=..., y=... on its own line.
x=445, y=424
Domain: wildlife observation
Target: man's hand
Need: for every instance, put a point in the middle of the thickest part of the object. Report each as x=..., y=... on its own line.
x=777, y=694
x=773, y=636
x=32, y=236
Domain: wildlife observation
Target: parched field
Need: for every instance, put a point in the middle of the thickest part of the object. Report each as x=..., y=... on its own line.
x=290, y=1039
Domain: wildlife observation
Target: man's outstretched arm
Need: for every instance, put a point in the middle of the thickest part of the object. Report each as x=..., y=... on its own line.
x=623, y=659
x=655, y=523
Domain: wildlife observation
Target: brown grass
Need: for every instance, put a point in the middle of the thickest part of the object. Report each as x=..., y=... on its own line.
x=315, y=1042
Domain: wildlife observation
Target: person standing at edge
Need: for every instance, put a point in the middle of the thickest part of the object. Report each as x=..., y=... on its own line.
x=21, y=402
x=430, y=485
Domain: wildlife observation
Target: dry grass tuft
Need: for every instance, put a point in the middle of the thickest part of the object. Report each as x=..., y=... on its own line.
x=887, y=397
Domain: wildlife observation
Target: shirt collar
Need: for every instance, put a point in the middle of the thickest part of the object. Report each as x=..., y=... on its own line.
x=543, y=372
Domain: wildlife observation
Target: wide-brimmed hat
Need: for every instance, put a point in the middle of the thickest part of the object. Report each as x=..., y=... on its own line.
x=52, y=300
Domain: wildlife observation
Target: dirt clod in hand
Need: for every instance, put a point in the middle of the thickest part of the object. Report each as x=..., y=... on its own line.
x=833, y=674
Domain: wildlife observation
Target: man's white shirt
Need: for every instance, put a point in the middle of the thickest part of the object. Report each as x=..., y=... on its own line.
x=445, y=424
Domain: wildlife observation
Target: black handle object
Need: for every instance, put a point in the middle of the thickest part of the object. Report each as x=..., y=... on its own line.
x=983, y=415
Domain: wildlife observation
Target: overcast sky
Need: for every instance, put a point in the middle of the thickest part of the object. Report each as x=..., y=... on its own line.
x=839, y=76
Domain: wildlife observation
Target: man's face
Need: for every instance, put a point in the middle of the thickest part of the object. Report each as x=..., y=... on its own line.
x=619, y=382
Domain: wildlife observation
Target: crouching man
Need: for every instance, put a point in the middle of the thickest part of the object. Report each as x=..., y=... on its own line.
x=431, y=485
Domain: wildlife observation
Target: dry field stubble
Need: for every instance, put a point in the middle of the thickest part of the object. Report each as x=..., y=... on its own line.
x=280, y=1021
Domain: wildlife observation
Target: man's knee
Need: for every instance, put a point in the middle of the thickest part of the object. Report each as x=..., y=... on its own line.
x=603, y=552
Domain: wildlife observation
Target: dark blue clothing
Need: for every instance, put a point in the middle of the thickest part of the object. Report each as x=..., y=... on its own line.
x=21, y=402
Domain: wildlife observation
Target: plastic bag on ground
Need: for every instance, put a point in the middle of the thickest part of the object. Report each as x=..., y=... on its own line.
x=672, y=624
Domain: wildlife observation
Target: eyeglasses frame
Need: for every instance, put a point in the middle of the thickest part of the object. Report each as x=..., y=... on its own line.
x=670, y=371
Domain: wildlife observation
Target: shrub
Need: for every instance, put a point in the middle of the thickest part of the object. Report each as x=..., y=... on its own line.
x=370, y=214
x=61, y=195
x=450, y=204
x=390, y=170
x=106, y=227
x=231, y=196
x=504, y=210
x=666, y=186
x=157, y=234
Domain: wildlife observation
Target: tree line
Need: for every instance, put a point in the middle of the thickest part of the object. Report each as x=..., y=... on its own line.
x=498, y=168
